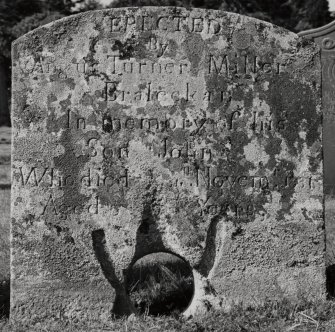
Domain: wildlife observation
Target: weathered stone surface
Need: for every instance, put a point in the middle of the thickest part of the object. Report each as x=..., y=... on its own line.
x=325, y=38
x=162, y=129
x=5, y=145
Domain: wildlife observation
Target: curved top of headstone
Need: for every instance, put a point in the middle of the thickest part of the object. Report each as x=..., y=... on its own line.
x=156, y=21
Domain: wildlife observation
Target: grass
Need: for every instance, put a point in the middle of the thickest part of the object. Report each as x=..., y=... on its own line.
x=271, y=317
x=158, y=284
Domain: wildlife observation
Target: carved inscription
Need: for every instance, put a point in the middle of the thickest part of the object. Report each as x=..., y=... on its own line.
x=93, y=178
x=226, y=65
x=52, y=178
x=165, y=67
x=175, y=23
x=258, y=123
x=64, y=211
x=190, y=114
x=234, y=64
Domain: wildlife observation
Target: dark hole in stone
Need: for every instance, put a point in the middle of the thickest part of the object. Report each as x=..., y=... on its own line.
x=160, y=284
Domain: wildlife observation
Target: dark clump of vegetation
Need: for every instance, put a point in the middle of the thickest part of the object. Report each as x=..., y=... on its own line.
x=160, y=284
x=4, y=298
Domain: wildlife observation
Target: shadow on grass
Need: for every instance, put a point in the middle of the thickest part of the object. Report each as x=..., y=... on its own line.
x=4, y=298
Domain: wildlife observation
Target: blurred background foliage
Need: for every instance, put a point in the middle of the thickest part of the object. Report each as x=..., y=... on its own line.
x=17, y=17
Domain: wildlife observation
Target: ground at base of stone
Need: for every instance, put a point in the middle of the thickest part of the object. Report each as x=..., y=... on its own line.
x=281, y=317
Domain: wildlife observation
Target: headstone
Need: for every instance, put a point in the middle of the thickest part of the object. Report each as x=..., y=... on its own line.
x=325, y=38
x=193, y=132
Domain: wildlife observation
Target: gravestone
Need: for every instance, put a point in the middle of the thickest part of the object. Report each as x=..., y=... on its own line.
x=325, y=38
x=136, y=131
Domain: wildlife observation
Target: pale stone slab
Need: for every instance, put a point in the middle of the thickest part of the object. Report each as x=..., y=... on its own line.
x=162, y=129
